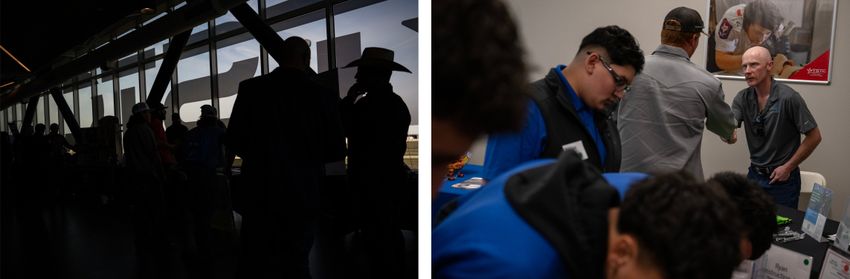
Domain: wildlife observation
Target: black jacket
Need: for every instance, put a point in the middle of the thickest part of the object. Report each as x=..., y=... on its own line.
x=563, y=125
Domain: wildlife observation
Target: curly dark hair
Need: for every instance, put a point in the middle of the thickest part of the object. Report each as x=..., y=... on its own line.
x=763, y=13
x=756, y=208
x=621, y=46
x=480, y=78
x=684, y=228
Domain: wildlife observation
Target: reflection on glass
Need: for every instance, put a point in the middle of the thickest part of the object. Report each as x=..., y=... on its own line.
x=69, y=99
x=278, y=7
x=39, y=113
x=193, y=74
x=105, y=98
x=235, y=63
x=156, y=49
x=380, y=25
x=228, y=22
x=53, y=110
x=128, y=88
x=84, y=116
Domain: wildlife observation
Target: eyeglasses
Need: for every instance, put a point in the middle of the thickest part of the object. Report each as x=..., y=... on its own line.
x=619, y=80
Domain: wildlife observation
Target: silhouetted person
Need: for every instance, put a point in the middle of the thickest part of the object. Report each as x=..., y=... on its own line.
x=204, y=165
x=175, y=134
x=277, y=129
x=165, y=149
x=376, y=123
x=145, y=179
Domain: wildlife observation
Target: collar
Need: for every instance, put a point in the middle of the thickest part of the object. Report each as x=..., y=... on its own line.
x=578, y=104
x=671, y=51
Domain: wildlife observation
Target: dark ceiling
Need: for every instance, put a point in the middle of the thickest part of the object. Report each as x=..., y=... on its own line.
x=38, y=32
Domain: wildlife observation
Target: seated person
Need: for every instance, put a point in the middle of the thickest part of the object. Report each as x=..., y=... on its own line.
x=547, y=219
x=756, y=208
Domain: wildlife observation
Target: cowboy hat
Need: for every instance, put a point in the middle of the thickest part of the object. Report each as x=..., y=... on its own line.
x=378, y=57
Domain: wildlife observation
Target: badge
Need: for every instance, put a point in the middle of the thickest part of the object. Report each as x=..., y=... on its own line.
x=577, y=147
x=725, y=29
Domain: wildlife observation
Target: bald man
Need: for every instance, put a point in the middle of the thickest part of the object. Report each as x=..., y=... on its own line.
x=774, y=115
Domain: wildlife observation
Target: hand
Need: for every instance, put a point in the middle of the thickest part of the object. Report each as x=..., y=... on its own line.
x=732, y=139
x=780, y=174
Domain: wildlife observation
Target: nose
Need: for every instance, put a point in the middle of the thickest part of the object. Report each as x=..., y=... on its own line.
x=619, y=93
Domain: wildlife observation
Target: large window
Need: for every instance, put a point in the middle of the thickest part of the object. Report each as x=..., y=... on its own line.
x=105, y=99
x=128, y=88
x=228, y=22
x=193, y=73
x=236, y=62
x=312, y=27
x=84, y=115
x=380, y=25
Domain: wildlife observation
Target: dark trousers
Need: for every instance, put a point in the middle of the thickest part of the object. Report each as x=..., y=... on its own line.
x=274, y=246
x=786, y=193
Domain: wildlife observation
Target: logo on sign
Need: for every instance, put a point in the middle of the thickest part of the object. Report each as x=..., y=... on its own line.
x=815, y=72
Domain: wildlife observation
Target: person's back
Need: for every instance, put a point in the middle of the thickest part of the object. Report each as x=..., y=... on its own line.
x=662, y=119
x=275, y=129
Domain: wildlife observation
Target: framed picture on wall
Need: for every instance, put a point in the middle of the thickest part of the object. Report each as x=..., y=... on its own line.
x=799, y=35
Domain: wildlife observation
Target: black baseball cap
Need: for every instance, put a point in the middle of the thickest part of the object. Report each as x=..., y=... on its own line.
x=684, y=19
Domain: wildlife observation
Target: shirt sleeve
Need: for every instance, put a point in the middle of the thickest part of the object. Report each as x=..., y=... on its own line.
x=802, y=117
x=725, y=35
x=720, y=118
x=738, y=108
x=507, y=150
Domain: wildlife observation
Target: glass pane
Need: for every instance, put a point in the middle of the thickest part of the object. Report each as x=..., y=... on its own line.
x=194, y=89
x=69, y=99
x=151, y=70
x=128, y=88
x=19, y=112
x=84, y=115
x=228, y=22
x=128, y=60
x=310, y=26
x=380, y=25
x=53, y=113
x=156, y=49
x=199, y=33
x=3, y=122
x=39, y=113
x=278, y=7
x=105, y=99
x=235, y=63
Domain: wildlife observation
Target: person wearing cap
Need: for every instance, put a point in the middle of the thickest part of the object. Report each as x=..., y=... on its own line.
x=570, y=107
x=164, y=148
x=774, y=115
x=277, y=128
x=204, y=165
x=146, y=177
x=757, y=23
x=376, y=121
x=661, y=121
x=563, y=219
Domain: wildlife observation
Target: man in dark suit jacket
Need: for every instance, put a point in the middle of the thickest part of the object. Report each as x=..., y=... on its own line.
x=278, y=129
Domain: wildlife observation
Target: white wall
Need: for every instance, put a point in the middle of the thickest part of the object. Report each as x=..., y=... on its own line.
x=553, y=29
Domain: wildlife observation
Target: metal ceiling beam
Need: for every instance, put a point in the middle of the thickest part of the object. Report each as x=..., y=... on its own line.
x=183, y=19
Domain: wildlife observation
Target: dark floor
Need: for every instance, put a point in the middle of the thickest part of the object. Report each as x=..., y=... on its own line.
x=85, y=237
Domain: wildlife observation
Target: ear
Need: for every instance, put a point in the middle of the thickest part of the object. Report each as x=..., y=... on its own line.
x=590, y=63
x=622, y=256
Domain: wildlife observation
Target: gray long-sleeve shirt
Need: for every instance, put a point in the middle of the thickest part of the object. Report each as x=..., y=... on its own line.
x=661, y=120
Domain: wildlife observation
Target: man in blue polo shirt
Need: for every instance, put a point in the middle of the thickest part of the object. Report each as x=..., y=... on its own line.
x=547, y=219
x=570, y=107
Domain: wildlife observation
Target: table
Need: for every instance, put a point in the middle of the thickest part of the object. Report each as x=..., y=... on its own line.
x=448, y=193
x=807, y=246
